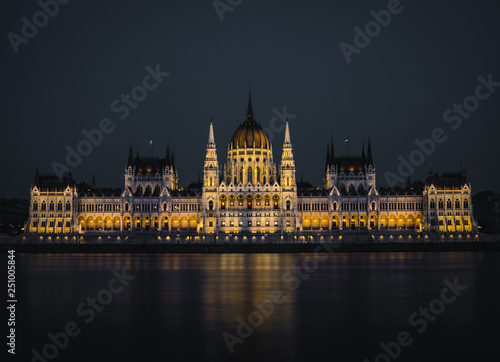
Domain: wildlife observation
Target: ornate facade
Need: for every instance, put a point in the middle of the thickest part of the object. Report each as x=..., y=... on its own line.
x=250, y=194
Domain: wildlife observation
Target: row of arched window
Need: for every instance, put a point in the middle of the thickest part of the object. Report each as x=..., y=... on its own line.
x=52, y=206
x=448, y=204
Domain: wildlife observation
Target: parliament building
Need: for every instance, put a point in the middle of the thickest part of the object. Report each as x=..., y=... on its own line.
x=251, y=194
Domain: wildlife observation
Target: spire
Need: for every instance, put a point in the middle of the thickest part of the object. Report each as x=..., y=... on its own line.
x=408, y=181
x=363, y=156
x=287, y=134
x=464, y=172
x=249, y=109
x=93, y=181
x=369, y=156
x=172, y=159
x=211, y=138
x=430, y=169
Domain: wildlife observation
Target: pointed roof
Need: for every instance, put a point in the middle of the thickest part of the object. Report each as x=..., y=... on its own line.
x=249, y=109
x=211, y=138
x=287, y=134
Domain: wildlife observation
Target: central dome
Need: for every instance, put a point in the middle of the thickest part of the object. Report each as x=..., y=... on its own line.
x=250, y=134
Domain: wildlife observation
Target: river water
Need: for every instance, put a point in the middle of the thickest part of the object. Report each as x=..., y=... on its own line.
x=294, y=307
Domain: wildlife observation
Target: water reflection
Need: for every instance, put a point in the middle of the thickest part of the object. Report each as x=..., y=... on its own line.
x=344, y=308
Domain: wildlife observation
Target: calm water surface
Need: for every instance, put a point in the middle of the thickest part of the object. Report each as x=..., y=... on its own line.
x=179, y=306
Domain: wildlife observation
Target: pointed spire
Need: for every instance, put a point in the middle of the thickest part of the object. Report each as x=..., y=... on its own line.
x=408, y=181
x=363, y=156
x=369, y=156
x=287, y=134
x=430, y=169
x=249, y=109
x=211, y=138
x=464, y=172
x=93, y=181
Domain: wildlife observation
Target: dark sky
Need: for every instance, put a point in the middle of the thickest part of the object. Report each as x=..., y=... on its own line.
x=427, y=58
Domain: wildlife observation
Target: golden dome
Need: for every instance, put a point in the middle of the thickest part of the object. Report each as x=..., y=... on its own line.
x=250, y=134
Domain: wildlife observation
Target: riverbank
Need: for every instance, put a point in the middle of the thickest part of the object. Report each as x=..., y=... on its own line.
x=307, y=247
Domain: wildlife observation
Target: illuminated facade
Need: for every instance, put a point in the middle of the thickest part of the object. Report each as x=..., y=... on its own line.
x=250, y=194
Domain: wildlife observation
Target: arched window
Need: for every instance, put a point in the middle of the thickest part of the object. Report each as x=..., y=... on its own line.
x=249, y=201
x=223, y=202
x=250, y=179
x=466, y=204
x=334, y=206
x=164, y=206
x=288, y=204
x=448, y=204
x=211, y=205
x=35, y=206
x=68, y=206
x=457, y=204
x=126, y=206
x=59, y=206
x=51, y=206
x=258, y=174
x=373, y=205
x=276, y=202
x=433, y=204
x=441, y=204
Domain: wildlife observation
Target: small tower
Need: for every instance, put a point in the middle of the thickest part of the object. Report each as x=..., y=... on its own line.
x=288, y=185
x=211, y=168
x=287, y=168
x=210, y=185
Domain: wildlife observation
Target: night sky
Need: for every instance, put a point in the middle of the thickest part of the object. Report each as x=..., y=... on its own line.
x=395, y=90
